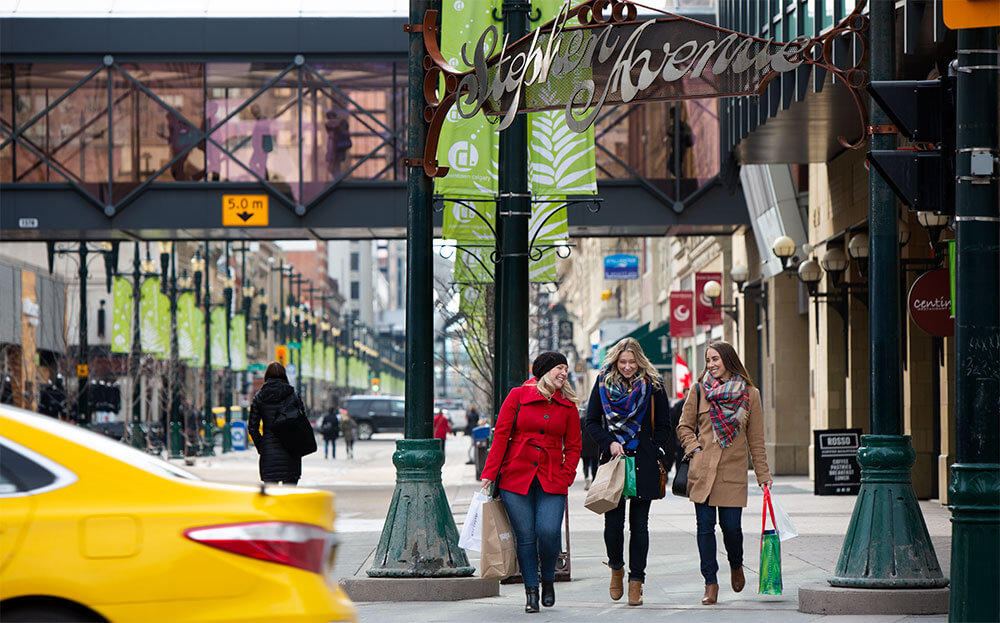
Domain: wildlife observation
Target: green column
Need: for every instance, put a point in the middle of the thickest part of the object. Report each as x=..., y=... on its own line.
x=176, y=450
x=887, y=545
x=419, y=538
x=208, y=447
x=514, y=211
x=138, y=440
x=974, y=490
x=82, y=381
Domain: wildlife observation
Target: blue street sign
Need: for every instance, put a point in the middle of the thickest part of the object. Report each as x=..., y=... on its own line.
x=238, y=433
x=621, y=266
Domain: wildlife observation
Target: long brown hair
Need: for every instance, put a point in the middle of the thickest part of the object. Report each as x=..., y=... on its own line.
x=275, y=371
x=646, y=369
x=729, y=359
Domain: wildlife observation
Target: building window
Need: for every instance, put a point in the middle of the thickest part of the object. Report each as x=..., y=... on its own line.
x=355, y=261
x=355, y=290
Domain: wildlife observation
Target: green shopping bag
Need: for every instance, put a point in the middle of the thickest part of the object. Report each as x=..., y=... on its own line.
x=629, y=490
x=770, y=551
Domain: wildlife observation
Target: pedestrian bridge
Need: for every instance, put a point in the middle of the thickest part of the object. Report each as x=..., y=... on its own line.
x=120, y=127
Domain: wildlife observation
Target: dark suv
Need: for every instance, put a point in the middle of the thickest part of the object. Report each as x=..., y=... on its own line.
x=376, y=414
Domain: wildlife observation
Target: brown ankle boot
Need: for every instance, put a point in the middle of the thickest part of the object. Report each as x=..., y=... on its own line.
x=711, y=594
x=617, y=589
x=737, y=579
x=634, y=593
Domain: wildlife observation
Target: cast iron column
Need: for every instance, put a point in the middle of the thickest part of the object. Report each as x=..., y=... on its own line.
x=82, y=380
x=137, y=440
x=515, y=209
x=974, y=490
x=208, y=449
x=176, y=450
x=227, y=400
x=419, y=538
x=887, y=545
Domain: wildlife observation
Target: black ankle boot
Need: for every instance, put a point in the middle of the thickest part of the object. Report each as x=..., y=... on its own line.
x=548, y=594
x=531, y=605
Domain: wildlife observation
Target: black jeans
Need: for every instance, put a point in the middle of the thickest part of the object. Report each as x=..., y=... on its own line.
x=730, y=519
x=638, y=544
x=589, y=467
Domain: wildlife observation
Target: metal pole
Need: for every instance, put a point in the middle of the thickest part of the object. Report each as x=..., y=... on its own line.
x=887, y=544
x=209, y=418
x=82, y=380
x=427, y=547
x=227, y=401
x=974, y=490
x=515, y=209
x=137, y=440
x=176, y=440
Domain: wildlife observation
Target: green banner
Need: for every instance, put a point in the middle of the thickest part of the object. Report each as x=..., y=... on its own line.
x=238, y=342
x=469, y=220
x=121, y=322
x=154, y=320
x=185, y=325
x=198, y=337
x=331, y=355
x=307, y=358
x=319, y=360
x=473, y=264
x=544, y=269
x=217, y=335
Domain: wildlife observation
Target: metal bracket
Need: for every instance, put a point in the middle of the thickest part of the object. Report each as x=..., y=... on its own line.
x=882, y=129
x=413, y=162
x=413, y=28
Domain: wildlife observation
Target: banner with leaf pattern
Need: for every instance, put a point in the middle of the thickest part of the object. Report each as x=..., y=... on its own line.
x=217, y=335
x=331, y=361
x=238, y=342
x=306, y=353
x=121, y=319
x=154, y=319
x=185, y=325
x=198, y=336
x=319, y=360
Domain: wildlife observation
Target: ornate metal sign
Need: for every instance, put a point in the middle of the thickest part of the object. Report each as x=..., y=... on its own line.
x=598, y=53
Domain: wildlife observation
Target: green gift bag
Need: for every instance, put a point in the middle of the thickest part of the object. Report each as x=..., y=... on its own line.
x=770, y=552
x=629, y=490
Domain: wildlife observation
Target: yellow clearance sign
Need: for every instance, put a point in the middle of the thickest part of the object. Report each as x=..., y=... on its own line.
x=971, y=13
x=244, y=210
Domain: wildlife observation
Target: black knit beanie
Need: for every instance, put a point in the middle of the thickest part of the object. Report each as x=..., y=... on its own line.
x=545, y=362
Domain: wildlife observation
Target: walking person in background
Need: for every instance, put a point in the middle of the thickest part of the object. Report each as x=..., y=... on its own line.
x=349, y=429
x=589, y=454
x=276, y=396
x=441, y=428
x=330, y=429
x=536, y=447
x=721, y=422
x=619, y=418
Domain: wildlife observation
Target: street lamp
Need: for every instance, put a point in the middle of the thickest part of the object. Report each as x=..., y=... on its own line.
x=933, y=223
x=834, y=262
x=227, y=295
x=857, y=248
x=784, y=248
x=739, y=275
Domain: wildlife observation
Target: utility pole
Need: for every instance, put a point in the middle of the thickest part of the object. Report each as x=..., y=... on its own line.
x=82, y=370
x=227, y=400
x=974, y=490
x=209, y=447
x=423, y=544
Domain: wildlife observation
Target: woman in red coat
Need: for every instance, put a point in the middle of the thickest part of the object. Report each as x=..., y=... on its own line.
x=534, y=464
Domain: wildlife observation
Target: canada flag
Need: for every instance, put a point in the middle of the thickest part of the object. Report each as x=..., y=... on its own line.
x=682, y=377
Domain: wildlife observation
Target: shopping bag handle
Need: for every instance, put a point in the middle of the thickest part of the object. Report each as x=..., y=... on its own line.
x=768, y=506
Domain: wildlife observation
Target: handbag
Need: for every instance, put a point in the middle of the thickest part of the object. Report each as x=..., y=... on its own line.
x=472, y=530
x=680, y=484
x=629, y=490
x=498, y=559
x=293, y=429
x=770, y=551
x=606, y=490
x=662, y=490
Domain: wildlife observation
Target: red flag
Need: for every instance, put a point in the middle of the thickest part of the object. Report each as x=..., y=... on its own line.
x=682, y=376
x=705, y=314
x=682, y=313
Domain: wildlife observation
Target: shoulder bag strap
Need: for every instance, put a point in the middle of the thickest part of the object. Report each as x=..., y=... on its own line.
x=495, y=489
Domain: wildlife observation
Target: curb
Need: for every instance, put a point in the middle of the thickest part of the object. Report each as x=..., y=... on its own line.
x=361, y=589
x=826, y=599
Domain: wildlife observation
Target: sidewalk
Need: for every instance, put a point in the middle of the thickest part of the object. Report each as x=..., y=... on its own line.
x=673, y=585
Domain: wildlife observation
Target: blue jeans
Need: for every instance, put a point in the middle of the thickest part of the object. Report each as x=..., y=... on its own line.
x=328, y=445
x=537, y=522
x=730, y=519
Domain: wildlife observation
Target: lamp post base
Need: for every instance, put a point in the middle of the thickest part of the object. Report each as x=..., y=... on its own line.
x=176, y=441
x=974, y=493
x=138, y=439
x=887, y=544
x=419, y=539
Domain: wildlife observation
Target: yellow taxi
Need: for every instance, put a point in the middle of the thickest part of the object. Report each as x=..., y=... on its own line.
x=93, y=530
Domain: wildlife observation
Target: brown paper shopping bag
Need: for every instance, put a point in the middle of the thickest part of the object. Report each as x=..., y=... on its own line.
x=499, y=554
x=606, y=490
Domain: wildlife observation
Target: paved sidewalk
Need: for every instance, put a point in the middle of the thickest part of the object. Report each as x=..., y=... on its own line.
x=673, y=586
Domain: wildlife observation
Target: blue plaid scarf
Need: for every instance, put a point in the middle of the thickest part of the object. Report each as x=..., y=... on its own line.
x=624, y=408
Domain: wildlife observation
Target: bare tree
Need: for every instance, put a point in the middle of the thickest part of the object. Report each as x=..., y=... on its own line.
x=474, y=330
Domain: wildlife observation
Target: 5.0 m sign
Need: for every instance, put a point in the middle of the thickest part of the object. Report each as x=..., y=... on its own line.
x=244, y=211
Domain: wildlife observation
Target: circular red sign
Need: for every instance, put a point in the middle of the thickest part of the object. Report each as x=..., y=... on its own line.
x=930, y=303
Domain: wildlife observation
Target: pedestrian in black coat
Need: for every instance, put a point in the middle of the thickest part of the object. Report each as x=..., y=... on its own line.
x=588, y=454
x=276, y=396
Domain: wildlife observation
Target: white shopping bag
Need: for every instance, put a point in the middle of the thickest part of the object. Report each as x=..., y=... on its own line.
x=782, y=522
x=472, y=530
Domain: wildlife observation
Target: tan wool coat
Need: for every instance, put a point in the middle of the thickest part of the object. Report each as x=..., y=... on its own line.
x=717, y=474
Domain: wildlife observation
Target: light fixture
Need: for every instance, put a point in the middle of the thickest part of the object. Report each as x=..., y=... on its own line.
x=197, y=262
x=857, y=248
x=739, y=275
x=903, y=229
x=933, y=223
x=325, y=326
x=712, y=290
x=149, y=267
x=248, y=290
x=184, y=281
x=165, y=247
x=784, y=248
x=810, y=272
x=834, y=262
x=228, y=282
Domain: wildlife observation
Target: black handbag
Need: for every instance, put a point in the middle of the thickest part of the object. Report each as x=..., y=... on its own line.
x=293, y=430
x=679, y=486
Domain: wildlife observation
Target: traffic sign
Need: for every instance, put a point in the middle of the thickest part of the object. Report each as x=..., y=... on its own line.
x=971, y=13
x=238, y=435
x=82, y=370
x=244, y=210
x=281, y=354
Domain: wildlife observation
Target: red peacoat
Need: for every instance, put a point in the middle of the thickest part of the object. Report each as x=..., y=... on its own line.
x=545, y=442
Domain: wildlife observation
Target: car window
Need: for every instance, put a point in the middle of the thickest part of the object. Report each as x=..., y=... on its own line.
x=357, y=406
x=398, y=406
x=379, y=406
x=24, y=472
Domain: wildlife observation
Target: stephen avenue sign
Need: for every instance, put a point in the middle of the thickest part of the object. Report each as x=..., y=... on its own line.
x=597, y=53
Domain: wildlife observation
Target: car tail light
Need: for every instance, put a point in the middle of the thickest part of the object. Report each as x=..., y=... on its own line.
x=304, y=546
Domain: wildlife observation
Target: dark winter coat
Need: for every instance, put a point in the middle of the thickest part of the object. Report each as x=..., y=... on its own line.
x=653, y=445
x=276, y=464
x=590, y=449
x=330, y=427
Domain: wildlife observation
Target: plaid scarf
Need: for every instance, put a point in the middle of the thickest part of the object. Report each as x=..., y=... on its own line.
x=624, y=408
x=729, y=404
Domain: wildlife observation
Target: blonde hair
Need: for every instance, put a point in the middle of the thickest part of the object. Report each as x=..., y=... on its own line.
x=646, y=370
x=546, y=388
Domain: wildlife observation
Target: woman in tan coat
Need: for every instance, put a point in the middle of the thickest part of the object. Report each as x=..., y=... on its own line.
x=721, y=421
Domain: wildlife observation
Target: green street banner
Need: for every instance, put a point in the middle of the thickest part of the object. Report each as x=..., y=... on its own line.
x=473, y=264
x=154, y=326
x=319, y=360
x=198, y=336
x=163, y=318
x=331, y=360
x=465, y=219
x=544, y=269
x=471, y=301
x=121, y=320
x=238, y=342
x=185, y=325
x=308, y=370
x=217, y=335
